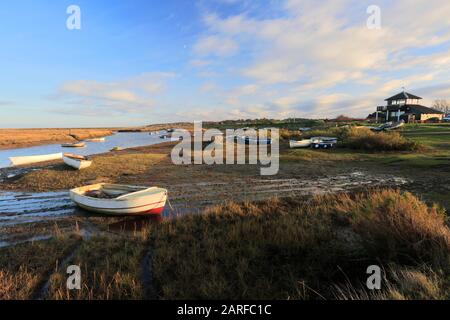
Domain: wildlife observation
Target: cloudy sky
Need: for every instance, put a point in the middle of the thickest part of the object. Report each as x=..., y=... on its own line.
x=148, y=61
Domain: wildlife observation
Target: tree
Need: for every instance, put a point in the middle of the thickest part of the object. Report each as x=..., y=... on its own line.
x=442, y=105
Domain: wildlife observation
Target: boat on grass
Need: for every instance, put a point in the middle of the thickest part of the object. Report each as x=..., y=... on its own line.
x=76, y=161
x=116, y=149
x=389, y=126
x=323, y=142
x=20, y=161
x=306, y=143
x=74, y=145
x=114, y=199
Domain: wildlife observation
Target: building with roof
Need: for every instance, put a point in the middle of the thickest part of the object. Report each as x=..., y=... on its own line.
x=406, y=106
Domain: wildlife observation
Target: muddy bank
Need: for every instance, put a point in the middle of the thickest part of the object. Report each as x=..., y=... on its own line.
x=22, y=138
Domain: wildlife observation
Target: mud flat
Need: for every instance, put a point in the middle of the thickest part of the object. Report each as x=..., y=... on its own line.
x=21, y=138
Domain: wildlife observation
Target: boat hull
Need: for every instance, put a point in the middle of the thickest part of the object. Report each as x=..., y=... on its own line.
x=20, y=161
x=96, y=140
x=300, y=144
x=77, y=164
x=149, y=201
x=73, y=145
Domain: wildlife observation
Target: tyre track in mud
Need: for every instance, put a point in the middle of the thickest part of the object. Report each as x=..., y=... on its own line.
x=20, y=208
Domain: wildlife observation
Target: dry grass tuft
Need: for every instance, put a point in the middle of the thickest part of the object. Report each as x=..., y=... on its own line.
x=365, y=139
x=110, y=269
x=23, y=268
x=17, y=285
x=400, y=284
x=396, y=226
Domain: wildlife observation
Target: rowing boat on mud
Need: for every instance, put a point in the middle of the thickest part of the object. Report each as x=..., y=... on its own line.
x=74, y=145
x=116, y=199
x=306, y=143
x=20, y=161
x=76, y=161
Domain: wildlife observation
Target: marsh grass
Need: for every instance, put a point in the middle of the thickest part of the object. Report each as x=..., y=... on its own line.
x=400, y=283
x=111, y=270
x=24, y=267
x=284, y=249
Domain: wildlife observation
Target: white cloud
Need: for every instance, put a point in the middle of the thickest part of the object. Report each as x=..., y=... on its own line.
x=215, y=46
x=135, y=94
x=320, y=59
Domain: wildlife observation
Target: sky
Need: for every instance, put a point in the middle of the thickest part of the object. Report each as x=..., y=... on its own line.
x=140, y=62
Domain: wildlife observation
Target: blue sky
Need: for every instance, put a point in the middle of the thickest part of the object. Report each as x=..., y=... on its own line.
x=140, y=62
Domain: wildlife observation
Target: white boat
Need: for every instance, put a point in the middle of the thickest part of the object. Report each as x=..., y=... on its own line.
x=20, y=161
x=306, y=143
x=76, y=162
x=74, y=145
x=120, y=199
x=388, y=126
x=95, y=140
x=323, y=142
x=324, y=139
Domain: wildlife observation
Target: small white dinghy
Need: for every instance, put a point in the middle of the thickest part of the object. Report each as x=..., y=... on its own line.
x=95, y=140
x=300, y=144
x=74, y=145
x=76, y=162
x=117, y=199
x=20, y=161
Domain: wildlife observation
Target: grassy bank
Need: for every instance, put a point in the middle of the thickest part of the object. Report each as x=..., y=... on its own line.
x=283, y=249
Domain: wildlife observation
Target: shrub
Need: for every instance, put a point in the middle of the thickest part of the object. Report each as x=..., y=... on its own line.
x=397, y=227
x=400, y=283
x=365, y=139
x=286, y=134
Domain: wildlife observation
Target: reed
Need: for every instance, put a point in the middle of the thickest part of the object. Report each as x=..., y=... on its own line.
x=289, y=249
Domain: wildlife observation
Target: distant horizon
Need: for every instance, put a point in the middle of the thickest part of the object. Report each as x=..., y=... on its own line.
x=120, y=64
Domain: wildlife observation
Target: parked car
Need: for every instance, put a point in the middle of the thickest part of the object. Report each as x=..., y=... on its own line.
x=446, y=119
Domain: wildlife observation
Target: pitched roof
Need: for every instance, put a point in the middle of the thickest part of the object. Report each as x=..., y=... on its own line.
x=402, y=96
x=412, y=108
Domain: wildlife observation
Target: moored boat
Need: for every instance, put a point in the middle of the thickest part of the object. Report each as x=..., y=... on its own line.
x=116, y=149
x=74, y=145
x=116, y=199
x=388, y=126
x=95, y=140
x=20, y=161
x=323, y=142
x=306, y=143
x=76, y=161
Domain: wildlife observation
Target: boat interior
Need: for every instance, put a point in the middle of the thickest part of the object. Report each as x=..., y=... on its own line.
x=76, y=157
x=114, y=191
